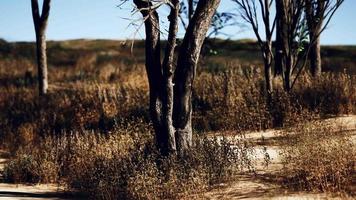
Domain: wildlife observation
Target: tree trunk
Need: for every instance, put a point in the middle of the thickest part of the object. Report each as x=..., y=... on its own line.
x=315, y=58
x=268, y=48
x=284, y=58
x=186, y=68
x=268, y=73
x=314, y=11
x=154, y=72
x=40, y=23
x=279, y=65
x=168, y=98
x=287, y=74
x=190, y=9
x=41, y=62
x=170, y=105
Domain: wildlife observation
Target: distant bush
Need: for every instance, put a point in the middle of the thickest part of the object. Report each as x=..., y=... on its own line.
x=317, y=158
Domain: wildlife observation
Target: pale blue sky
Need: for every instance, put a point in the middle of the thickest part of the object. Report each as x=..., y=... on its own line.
x=101, y=19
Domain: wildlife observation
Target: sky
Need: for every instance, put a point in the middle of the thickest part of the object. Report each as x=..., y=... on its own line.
x=103, y=19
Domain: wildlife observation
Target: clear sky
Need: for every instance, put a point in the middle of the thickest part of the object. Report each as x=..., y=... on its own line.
x=102, y=19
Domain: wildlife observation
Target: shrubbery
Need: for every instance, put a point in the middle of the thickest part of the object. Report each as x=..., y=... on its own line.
x=92, y=130
x=319, y=159
x=127, y=165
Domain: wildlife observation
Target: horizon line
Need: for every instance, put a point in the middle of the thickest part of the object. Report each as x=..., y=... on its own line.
x=132, y=39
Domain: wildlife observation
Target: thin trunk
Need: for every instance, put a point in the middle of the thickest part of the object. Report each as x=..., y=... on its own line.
x=168, y=77
x=279, y=65
x=315, y=58
x=190, y=9
x=154, y=73
x=40, y=22
x=268, y=73
x=314, y=15
x=284, y=57
x=42, y=62
x=287, y=74
x=268, y=47
x=186, y=68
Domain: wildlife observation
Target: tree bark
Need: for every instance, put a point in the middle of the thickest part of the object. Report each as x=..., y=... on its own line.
x=287, y=73
x=315, y=58
x=268, y=73
x=284, y=57
x=170, y=105
x=314, y=11
x=168, y=62
x=268, y=47
x=154, y=71
x=279, y=43
x=42, y=63
x=190, y=9
x=186, y=68
x=40, y=23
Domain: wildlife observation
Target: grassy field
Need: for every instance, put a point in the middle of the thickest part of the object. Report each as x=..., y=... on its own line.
x=92, y=131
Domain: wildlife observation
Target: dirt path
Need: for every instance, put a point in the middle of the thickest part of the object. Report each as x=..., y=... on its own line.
x=265, y=183
x=262, y=185
x=27, y=192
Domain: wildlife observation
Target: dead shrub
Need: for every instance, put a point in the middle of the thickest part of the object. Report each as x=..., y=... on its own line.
x=126, y=164
x=319, y=159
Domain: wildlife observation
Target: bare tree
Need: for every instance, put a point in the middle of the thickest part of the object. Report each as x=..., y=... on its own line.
x=290, y=37
x=316, y=12
x=220, y=19
x=40, y=23
x=190, y=9
x=248, y=10
x=281, y=39
x=170, y=99
x=293, y=33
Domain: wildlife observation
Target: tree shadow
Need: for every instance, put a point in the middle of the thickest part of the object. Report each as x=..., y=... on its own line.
x=266, y=186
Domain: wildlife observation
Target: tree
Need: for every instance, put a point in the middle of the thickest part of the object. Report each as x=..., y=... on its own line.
x=219, y=21
x=248, y=10
x=290, y=38
x=171, y=98
x=280, y=42
x=295, y=39
x=40, y=23
x=316, y=12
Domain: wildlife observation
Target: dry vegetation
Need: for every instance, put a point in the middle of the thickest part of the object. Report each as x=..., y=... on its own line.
x=92, y=133
x=319, y=159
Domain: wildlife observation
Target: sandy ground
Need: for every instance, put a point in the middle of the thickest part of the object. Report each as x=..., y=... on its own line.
x=26, y=192
x=265, y=183
x=261, y=185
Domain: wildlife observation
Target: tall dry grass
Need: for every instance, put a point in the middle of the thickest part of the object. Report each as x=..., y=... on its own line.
x=92, y=130
x=318, y=158
x=126, y=164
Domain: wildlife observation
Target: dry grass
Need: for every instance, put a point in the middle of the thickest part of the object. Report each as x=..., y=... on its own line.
x=319, y=159
x=126, y=165
x=92, y=130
